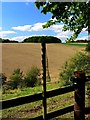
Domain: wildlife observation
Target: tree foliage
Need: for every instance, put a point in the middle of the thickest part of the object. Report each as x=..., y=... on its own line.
x=39, y=39
x=88, y=47
x=7, y=41
x=20, y=80
x=80, y=62
x=33, y=77
x=74, y=15
x=16, y=79
x=79, y=41
x=2, y=78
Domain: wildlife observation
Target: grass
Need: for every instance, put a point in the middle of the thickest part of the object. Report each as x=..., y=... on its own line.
x=28, y=91
x=77, y=44
x=35, y=109
x=19, y=93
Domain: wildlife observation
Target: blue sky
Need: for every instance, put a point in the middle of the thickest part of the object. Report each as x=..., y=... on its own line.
x=22, y=19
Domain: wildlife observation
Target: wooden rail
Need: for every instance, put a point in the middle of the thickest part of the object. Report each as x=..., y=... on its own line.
x=55, y=113
x=37, y=97
x=21, y=100
x=32, y=98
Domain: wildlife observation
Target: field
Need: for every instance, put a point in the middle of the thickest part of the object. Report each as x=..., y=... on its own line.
x=25, y=55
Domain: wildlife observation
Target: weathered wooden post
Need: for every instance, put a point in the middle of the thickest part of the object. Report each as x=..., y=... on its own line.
x=43, y=44
x=79, y=106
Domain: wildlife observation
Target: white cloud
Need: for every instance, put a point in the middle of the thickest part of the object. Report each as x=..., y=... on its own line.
x=37, y=27
x=63, y=35
x=5, y=33
x=21, y=38
x=22, y=28
x=83, y=38
x=56, y=28
x=34, y=27
x=84, y=29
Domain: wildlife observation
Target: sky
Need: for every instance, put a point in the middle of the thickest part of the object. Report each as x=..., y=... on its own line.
x=20, y=20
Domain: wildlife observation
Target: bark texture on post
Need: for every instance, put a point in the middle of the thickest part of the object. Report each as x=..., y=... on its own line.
x=79, y=106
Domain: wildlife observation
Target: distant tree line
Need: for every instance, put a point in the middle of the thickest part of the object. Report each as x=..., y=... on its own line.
x=7, y=41
x=39, y=39
x=79, y=41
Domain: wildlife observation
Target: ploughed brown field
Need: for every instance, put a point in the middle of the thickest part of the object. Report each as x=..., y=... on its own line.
x=25, y=55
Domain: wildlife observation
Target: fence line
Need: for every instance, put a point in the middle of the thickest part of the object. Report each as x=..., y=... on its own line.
x=37, y=97
x=32, y=98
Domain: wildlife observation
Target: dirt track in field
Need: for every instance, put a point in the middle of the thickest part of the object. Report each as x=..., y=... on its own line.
x=24, y=55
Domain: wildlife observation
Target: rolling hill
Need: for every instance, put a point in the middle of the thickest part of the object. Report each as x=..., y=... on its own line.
x=25, y=55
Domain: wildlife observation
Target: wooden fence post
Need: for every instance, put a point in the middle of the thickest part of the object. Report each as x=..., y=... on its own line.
x=44, y=79
x=79, y=106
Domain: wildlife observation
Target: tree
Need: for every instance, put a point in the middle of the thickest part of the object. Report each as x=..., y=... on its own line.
x=39, y=39
x=16, y=79
x=74, y=15
x=7, y=41
x=88, y=48
x=80, y=62
x=33, y=77
x=3, y=78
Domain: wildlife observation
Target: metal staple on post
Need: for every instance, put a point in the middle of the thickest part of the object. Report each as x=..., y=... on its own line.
x=44, y=79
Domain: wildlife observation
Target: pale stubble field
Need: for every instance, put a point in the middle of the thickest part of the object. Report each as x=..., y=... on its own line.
x=26, y=55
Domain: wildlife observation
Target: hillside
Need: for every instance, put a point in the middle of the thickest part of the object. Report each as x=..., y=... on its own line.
x=25, y=55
